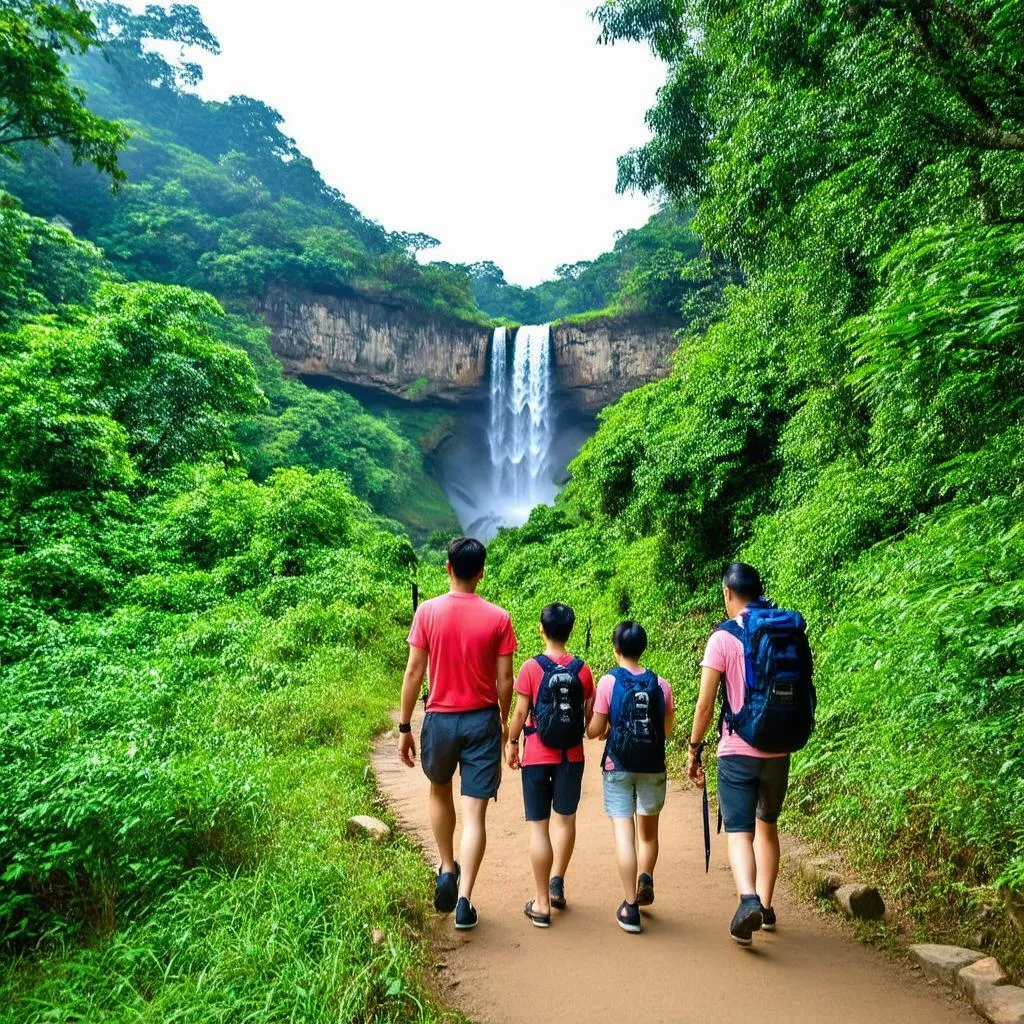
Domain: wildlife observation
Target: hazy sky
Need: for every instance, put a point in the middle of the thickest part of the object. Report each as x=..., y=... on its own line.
x=493, y=126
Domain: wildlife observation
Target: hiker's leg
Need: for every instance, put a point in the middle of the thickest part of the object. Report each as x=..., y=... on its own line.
x=766, y=855
x=647, y=833
x=474, y=842
x=442, y=823
x=741, y=860
x=563, y=840
x=541, y=856
x=625, y=855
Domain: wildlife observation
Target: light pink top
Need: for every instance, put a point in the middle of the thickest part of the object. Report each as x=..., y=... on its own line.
x=724, y=653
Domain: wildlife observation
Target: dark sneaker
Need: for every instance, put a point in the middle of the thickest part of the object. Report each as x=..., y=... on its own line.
x=446, y=890
x=465, y=915
x=627, y=917
x=767, y=918
x=556, y=891
x=746, y=920
x=644, y=891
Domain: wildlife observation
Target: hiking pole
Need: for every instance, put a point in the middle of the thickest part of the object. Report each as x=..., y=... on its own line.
x=707, y=820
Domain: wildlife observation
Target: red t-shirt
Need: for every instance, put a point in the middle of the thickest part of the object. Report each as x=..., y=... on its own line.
x=464, y=636
x=528, y=684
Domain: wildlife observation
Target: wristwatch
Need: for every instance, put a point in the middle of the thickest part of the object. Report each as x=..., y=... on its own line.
x=515, y=741
x=405, y=726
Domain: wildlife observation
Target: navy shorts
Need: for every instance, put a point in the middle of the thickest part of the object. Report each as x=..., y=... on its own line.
x=749, y=788
x=551, y=786
x=467, y=740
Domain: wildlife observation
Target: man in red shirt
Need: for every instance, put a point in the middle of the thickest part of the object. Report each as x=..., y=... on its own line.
x=467, y=644
x=552, y=776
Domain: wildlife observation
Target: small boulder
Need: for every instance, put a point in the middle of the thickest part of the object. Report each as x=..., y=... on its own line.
x=981, y=974
x=368, y=827
x=822, y=875
x=943, y=962
x=377, y=937
x=1001, y=1004
x=860, y=901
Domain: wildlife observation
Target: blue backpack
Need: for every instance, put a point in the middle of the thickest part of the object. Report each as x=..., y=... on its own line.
x=779, y=699
x=636, y=742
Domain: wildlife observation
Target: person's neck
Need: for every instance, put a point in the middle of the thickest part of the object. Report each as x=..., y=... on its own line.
x=555, y=650
x=462, y=587
x=631, y=665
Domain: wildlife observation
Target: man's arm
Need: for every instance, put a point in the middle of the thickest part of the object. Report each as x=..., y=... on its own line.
x=710, y=680
x=515, y=729
x=597, y=726
x=505, y=682
x=412, y=684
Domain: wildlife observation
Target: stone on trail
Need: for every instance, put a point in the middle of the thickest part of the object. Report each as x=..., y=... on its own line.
x=1000, y=1004
x=981, y=974
x=822, y=874
x=369, y=827
x=943, y=962
x=860, y=901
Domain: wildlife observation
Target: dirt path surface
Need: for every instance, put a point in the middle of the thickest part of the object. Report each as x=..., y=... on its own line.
x=683, y=968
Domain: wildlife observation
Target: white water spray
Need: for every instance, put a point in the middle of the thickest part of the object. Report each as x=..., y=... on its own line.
x=521, y=429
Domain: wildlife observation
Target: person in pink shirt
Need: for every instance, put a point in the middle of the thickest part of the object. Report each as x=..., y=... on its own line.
x=751, y=783
x=552, y=775
x=634, y=708
x=466, y=644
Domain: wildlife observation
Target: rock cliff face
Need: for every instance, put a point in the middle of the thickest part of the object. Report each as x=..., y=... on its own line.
x=403, y=351
x=598, y=361
x=370, y=343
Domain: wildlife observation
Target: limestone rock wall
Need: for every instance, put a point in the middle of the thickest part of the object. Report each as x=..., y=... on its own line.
x=597, y=361
x=370, y=343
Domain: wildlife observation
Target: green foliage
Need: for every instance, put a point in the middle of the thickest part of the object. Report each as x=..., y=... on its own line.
x=38, y=103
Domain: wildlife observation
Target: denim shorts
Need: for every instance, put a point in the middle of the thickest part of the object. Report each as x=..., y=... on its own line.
x=749, y=788
x=467, y=740
x=629, y=793
x=551, y=786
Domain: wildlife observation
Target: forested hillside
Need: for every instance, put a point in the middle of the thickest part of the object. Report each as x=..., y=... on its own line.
x=852, y=422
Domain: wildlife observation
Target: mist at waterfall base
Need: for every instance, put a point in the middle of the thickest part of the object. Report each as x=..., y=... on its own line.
x=513, y=455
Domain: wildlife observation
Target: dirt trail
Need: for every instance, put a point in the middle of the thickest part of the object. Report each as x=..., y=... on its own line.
x=683, y=968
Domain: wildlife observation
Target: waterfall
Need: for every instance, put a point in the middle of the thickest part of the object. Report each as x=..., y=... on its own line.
x=520, y=424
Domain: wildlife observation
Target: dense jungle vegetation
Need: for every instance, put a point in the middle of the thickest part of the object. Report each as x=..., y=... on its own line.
x=851, y=422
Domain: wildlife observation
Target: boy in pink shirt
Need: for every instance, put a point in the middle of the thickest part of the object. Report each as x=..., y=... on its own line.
x=552, y=776
x=634, y=708
x=751, y=783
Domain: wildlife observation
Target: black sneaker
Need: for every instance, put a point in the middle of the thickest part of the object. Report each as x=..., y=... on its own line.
x=644, y=891
x=556, y=892
x=627, y=917
x=746, y=920
x=465, y=915
x=767, y=918
x=446, y=890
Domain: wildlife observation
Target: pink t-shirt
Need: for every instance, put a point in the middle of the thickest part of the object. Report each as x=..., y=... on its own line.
x=528, y=683
x=603, y=703
x=464, y=636
x=724, y=653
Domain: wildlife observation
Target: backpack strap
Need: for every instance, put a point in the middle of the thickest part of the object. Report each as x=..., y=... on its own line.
x=734, y=629
x=546, y=663
x=618, y=674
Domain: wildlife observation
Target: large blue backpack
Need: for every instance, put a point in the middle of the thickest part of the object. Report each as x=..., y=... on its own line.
x=636, y=742
x=779, y=699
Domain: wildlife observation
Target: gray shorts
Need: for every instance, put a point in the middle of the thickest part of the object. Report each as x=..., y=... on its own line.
x=629, y=793
x=467, y=740
x=749, y=788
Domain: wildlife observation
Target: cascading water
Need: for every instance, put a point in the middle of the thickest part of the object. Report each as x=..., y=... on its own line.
x=511, y=456
x=520, y=432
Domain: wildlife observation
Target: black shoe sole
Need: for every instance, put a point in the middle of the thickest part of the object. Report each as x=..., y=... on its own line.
x=742, y=935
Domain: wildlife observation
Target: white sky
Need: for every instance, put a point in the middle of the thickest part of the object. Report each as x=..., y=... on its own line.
x=493, y=126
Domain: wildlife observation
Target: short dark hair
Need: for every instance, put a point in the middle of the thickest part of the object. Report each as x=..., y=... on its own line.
x=743, y=580
x=630, y=639
x=558, y=620
x=466, y=556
